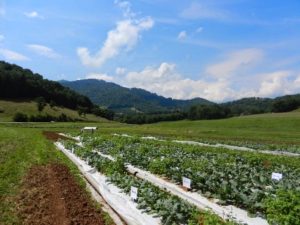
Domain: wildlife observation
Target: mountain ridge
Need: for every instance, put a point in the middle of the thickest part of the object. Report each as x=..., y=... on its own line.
x=123, y=99
x=136, y=100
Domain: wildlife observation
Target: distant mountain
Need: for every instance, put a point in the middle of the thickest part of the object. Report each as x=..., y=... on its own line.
x=121, y=99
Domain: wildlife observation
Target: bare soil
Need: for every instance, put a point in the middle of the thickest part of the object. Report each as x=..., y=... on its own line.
x=51, y=196
x=52, y=136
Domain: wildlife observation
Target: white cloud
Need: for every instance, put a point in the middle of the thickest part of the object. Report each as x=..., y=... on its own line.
x=12, y=55
x=120, y=71
x=43, y=51
x=124, y=37
x=199, y=29
x=166, y=81
x=125, y=6
x=275, y=83
x=236, y=62
x=182, y=35
x=198, y=10
x=33, y=14
x=232, y=78
x=99, y=76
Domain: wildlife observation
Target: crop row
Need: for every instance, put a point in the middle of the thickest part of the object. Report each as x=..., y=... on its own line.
x=285, y=147
x=270, y=146
x=241, y=179
x=151, y=199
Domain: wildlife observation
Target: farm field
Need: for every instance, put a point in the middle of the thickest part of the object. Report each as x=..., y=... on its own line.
x=241, y=179
x=263, y=130
x=237, y=178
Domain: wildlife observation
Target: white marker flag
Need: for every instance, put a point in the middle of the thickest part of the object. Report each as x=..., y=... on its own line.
x=186, y=182
x=133, y=193
x=276, y=176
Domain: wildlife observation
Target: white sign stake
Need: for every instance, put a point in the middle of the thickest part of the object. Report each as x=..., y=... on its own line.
x=276, y=176
x=186, y=182
x=133, y=193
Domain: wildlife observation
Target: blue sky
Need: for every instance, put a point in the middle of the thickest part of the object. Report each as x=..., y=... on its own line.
x=218, y=49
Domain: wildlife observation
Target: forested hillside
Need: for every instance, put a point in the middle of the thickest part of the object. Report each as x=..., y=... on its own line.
x=129, y=100
x=19, y=83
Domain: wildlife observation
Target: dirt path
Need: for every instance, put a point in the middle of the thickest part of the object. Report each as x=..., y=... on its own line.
x=51, y=196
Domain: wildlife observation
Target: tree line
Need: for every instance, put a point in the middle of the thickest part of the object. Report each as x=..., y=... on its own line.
x=19, y=83
x=247, y=106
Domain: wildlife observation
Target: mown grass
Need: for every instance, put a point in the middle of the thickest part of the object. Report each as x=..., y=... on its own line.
x=9, y=108
x=277, y=128
x=21, y=148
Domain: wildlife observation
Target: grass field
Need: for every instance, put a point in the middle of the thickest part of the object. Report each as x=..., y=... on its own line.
x=279, y=128
x=20, y=149
x=9, y=108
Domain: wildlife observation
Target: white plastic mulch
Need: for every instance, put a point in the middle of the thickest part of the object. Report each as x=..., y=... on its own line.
x=115, y=198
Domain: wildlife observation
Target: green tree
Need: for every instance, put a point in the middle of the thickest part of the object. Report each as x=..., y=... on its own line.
x=41, y=103
x=82, y=111
x=20, y=117
x=52, y=104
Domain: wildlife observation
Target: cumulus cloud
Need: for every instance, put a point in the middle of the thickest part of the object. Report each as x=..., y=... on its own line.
x=232, y=78
x=12, y=55
x=166, y=81
x=124, y=37
x=99, y=76
x=43, y=51
x=275, y=83
x=182, y=35
x=33, y=14
x=125, y=6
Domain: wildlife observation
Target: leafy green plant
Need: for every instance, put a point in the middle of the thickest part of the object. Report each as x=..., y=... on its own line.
x=241, y=179
x=152, y=200
x=283, y=208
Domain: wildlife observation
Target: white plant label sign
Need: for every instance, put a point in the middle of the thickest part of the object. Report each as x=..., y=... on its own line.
x=133, y=193
x=276, y=176
x=186, y=182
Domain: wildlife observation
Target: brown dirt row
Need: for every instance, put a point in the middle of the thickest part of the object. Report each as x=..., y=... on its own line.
x=52, y=136
x=51, y=196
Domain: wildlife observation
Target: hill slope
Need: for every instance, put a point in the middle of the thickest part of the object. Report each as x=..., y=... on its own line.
x=123, y=99
x=8, y=108
x=250, y=105
x=17, y=83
